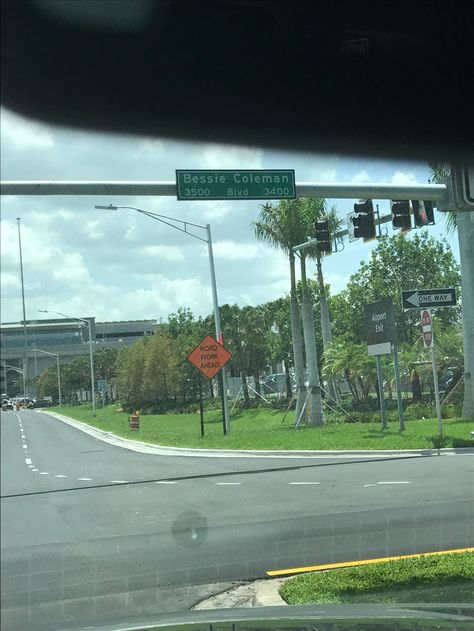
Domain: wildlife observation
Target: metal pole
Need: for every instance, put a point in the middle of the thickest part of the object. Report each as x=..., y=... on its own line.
x=431, y=192
x=5, y=377
x=201, y=409
x=91, y=355
x=217, y=320
x=383, y=412
x=436, y=390
x=25, y=339
x=396, y=366
x=59, y=381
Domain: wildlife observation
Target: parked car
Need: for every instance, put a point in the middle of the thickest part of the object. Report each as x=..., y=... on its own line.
x=40, y=403
x=6, y=405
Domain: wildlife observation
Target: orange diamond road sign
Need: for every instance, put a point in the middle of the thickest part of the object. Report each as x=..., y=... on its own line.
x=209, y=357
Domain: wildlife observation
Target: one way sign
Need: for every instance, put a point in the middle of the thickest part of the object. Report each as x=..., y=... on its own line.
x=426, y=298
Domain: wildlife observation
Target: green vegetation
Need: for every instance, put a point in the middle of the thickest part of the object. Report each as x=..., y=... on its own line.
x=435, y=579
x=262, y=428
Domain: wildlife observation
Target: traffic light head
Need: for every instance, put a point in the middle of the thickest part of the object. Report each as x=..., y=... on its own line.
x=323, y=236
x=364, y=206
x=423, y=213
x=364, y=221
x=401, y=215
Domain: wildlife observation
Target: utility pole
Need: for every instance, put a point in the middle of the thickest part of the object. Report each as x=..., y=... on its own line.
x=25, y=339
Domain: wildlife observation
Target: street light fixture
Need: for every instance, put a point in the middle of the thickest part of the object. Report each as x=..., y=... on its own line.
x=37, y=350
x=91, y=356
x=208, y=239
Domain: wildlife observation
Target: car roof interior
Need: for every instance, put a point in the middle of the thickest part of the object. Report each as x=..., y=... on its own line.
x=385, y=78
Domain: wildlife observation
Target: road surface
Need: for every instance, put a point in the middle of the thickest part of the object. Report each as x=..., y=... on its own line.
x=93, y=533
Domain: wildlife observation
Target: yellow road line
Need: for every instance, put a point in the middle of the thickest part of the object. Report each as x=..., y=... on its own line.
x=333, y=566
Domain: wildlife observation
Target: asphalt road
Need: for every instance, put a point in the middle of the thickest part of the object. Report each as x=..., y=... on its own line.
x=93, y=533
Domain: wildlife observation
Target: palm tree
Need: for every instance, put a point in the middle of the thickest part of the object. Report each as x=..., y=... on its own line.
x=464, y=223
x=283, y=226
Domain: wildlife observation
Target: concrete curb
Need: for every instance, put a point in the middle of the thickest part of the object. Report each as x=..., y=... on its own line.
x=162, y=450
x=263, y=593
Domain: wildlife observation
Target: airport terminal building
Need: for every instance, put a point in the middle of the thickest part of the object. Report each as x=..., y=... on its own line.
x=67, y=338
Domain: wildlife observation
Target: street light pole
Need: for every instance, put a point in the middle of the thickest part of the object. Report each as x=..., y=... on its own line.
x=217, y=320
x=25, y=339
x=91, y=355
x=37, y=350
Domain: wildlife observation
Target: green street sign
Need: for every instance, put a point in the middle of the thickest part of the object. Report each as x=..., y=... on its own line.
x=195, y=184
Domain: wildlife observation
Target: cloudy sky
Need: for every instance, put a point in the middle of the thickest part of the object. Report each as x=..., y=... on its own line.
x=121, y=265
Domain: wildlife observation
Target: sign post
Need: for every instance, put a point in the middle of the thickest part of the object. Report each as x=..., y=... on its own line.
x=209, y=357
x=201, y=409
x=428, y=341
x=380, y=336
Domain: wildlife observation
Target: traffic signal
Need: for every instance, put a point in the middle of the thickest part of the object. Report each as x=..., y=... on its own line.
x=423, y=213
x=401, y=215
x=364, y=222
x=323, y=237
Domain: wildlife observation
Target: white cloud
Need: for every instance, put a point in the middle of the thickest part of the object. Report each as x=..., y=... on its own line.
x=403, y=177
x=361, y=177
x=229, y=157
x=92, y=231
x=234, y=251
x=165, y=252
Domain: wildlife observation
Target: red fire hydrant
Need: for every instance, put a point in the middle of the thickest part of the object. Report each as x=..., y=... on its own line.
x=134, y=421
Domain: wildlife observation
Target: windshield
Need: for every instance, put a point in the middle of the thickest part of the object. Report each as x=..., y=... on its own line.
x=205, y=397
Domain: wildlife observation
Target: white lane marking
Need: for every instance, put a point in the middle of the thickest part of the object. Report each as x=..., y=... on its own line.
x=396, y=482
x=60, y=475
x=367, y=485
x=35, y=469
x=228, y=483
x=118, y=481
x=44, y=472
x=25, y=446
x=302, y=483
x=165, y=482
x=32, y=466
x=85, y=479
x=28, y=460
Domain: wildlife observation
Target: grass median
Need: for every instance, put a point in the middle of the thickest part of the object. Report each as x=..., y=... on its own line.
x=267, y=429
x=427, y=579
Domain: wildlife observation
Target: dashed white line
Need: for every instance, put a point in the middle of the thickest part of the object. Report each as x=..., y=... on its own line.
x=85, y=479
x=367, y=485
x=44, y=472
x=396, y=482
x=118, y=481
x=32, y=466
x=304, y=483
x=35, y=469
x=228, y=483
x=60, y=475
x=165, y=482
x=25, y=446
x=28, y=460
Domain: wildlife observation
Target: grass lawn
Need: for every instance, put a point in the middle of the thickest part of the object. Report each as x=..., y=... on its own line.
x=437, y=579
x=265, y=429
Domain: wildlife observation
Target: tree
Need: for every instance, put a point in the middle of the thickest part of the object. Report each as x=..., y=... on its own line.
x=397, y=263
x=284, y=226
x=160, y=373
x=278, y=336
x=105, y=363
x=244, y=331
